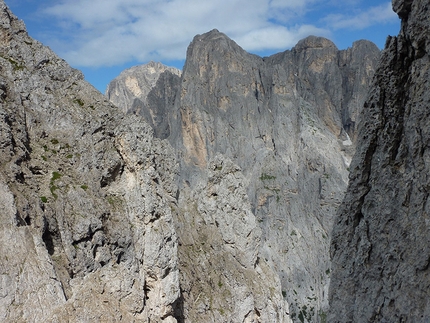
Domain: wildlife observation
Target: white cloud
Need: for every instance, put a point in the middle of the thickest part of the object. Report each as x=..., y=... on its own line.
x=278, y=37
x=113, y=32
x=110, y=32
x=363, y=19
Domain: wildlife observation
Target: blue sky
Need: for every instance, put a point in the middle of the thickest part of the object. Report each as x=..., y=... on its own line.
x=104, y=37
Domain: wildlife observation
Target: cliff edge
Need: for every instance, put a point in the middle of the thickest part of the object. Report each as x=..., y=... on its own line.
x=380, y=246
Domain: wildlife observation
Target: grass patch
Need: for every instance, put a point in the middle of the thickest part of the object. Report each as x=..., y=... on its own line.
x=53, y=188
x=16, y=66
x=44, y=199
x=115, y=201
x=266, y=177
x=79, y=102
x=323, y=317
x=55, y=176
x=84, y=187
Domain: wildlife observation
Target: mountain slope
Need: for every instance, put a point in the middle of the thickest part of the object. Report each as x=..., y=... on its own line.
x=287, y=122
x=86, y=195
x=380, y=245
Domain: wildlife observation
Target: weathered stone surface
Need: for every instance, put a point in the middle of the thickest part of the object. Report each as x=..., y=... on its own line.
x=380, y=245
x=288, y=123
x=224, y=278
x=135, y=83
x=86, y=197
x=135, y=91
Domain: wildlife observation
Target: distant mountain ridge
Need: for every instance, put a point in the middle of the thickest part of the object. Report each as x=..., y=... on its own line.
x=135, y=83
x=225, y=193
x=288, y=124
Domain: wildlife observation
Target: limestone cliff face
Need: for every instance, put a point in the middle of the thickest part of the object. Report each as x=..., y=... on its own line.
x=86, y=198
x=285, y=126
x=380, y=245
x=131, y=92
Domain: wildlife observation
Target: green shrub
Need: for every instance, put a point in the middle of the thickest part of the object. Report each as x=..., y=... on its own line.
x=55, y=176
x=266, y=177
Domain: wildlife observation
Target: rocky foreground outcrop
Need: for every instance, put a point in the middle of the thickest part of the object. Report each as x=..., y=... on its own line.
x=263, y=146
x=380, y=246
x=86, y=197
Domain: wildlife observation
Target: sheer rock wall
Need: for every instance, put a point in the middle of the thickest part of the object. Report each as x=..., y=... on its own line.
x=380, y=246
x=287, y=122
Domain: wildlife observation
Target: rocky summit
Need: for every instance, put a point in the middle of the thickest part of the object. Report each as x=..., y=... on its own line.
x=263, y=148
x=217, y=193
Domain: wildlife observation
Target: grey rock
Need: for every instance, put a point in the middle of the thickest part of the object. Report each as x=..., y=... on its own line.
x=289, y=124
x=224, y=279
x=380, y=246
x=135, y=83
x=86, y=193
x=133, y=92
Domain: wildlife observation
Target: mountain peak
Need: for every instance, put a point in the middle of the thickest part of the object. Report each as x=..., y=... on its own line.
x=314, y=42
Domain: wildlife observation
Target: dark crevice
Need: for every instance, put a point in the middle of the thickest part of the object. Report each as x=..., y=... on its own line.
x=99, y=129
x=112, y=175
x=88, y=238
x=154, y=216
x=119, y=257
x=48, y=239
x=178, y=309
x=20, y=222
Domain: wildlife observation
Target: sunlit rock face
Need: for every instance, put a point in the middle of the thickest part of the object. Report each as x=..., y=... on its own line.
x=86, y=197
x=130, y=91
x=380, y=244
x=263, y=146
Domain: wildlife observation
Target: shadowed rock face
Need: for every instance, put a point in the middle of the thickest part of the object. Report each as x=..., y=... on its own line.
x=268, y=141
x=131, y=91
x=380, y=246
x=86, y=197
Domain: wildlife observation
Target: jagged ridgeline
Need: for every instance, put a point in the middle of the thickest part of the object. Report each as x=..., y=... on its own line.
x=211, y=201
x=263, y=146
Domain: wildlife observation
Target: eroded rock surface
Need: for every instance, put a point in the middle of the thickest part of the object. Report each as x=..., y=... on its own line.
x=380, y=244
x=288, y=124
x=131, y=91
x=86, y=197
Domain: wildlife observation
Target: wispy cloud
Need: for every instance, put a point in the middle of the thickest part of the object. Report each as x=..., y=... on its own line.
x=113, y=32
x=361, y=19
x=277, y=37
x=109, y=32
